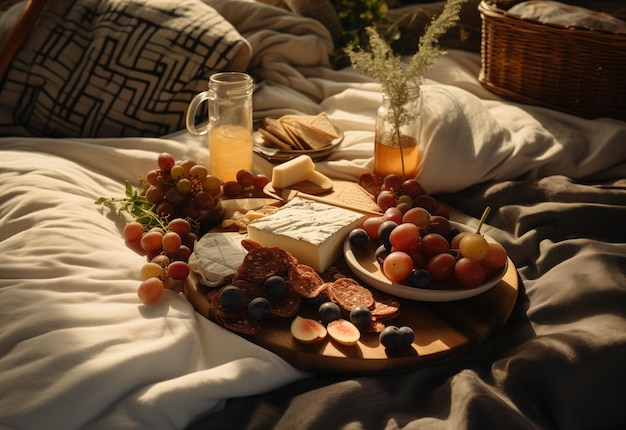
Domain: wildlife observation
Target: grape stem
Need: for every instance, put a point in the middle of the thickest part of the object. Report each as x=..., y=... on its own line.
x=483, y=218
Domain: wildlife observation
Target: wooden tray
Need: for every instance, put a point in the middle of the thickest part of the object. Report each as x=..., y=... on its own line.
x=442, y=331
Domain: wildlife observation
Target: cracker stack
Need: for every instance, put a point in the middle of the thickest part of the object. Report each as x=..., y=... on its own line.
x=299, y=132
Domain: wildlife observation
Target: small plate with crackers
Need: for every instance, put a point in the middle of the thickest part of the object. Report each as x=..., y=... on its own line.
x=289, y=136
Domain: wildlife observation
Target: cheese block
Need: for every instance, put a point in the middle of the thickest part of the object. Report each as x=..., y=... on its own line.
x=292, y=171
x=312, y=231
x=321, y=180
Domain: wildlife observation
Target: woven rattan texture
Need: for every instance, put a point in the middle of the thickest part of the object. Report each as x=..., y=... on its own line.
x=573, y=70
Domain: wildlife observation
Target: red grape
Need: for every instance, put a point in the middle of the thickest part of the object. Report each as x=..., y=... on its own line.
x=418, y=216
x=441, y=225
x=151, y=241
x=413, y=188
x=469, y=272
x=180, y=226
x=178, y=270
x=392, y=182
x=171, y=242
x=397, y=266
x=404, y=237
x=371, y=225
x=385, y=200
x=133, y=231
x=165, y=161
x=150, y=291
x=495, y=258
x=433, y=244
x=245, y=177
x=260, y=181
x=393, y=214
x=441, y=267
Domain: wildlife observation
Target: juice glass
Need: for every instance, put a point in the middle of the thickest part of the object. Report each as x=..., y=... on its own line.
x=229, y=128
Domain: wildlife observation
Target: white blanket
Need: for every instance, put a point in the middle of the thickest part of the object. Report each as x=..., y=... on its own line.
x=78, y=350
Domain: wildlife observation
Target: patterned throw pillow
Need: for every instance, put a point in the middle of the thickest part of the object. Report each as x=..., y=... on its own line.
x=95, y=68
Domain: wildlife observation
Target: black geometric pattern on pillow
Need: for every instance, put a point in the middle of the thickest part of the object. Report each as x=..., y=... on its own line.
x=94, y=68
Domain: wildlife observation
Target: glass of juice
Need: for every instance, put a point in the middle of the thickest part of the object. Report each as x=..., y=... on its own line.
x=229, y=126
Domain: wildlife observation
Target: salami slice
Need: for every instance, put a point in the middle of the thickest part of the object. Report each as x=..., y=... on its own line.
x=285, y=306
x=258, y=265
x=385, y=306
x=305, y=281
x=243, y=325
x=249, y=244
x=348, y=294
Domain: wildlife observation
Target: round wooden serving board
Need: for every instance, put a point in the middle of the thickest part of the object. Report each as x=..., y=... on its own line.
x=443, y=330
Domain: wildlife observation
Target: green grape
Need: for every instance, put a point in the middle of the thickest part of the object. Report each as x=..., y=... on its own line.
x=184, y=185
x=177, y=172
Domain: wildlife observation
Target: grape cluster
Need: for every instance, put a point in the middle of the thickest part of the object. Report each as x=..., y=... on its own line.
x=167, y=250
x=247, y=184
x=183, y=189
x=423, y=250
x=392, y=191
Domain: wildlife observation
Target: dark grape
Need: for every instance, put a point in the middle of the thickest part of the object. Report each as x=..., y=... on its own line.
x=175, y=197
x=275, y=286
x=231, y=296
x=204, y=200
x=408, y=336
x=358, y=238
x=328, y=312
x=381, y=253
x=419, y=278
x=361, y=316
x=384, y=231
x=259, y=308
x=164, y=209
x=232, y=189
x=390, y=337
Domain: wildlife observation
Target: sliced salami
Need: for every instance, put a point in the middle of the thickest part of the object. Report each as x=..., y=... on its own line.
x=305, y=281
x=348, y=294
x=285, y=306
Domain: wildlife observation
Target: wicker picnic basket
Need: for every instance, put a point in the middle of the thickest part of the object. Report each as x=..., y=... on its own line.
x=574, y=70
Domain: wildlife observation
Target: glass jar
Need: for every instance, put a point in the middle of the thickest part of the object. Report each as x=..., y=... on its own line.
x=229, y=128
x=397, y=150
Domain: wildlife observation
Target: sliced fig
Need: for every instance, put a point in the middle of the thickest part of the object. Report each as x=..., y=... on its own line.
x=343, y=331
x=307, y=330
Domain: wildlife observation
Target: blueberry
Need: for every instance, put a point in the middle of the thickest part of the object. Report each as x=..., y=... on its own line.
x=408, y=336
x=390, y=337
x=358, y=238
x=275, y=286
x=419, y=278
x=329, y=311
x=361, y=316
x=231, y=296
x=259, y=308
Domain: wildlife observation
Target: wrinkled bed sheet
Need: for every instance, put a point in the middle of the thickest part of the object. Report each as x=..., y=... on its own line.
x=77, y=350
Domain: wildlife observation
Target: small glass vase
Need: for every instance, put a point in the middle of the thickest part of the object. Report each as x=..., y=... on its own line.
x=393, y=152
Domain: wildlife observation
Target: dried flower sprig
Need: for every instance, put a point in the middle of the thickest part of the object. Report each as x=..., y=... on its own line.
x=386, y=67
